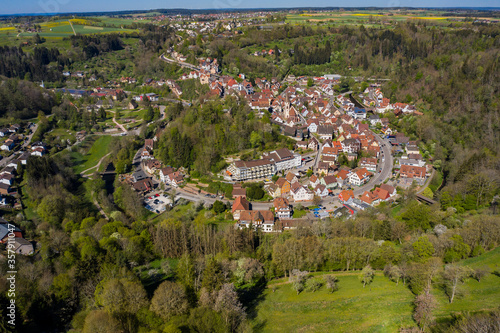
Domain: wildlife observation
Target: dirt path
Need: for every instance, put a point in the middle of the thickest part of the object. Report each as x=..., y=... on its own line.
x=103, y=213
x=119, y=125
x=95, y=166
x=71, y=24
x=427, y=182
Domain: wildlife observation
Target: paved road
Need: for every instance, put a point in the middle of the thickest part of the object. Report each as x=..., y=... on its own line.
x=386, y=168
x=182, y=64
x=184, y=102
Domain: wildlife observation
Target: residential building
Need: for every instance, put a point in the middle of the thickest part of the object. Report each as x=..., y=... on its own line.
x=284, y=159
x=175, y=179
x=391, y=190
x=313, y=181
x=239, y=192
x=369, y=164
x=323, y=168
x=325, y=132
x=321, y=190
x=345, y=195
x=351, y=145
x=282, y=208
x=301, y=193
x=273, y=189
x=409, y=171
x=143, y=186
x=4, y=231
x=292, y=178
x=164, y=172
x=343, y=177
x=360, y=176
x=313, y=144
x=263, y=219
x=330, y=182
x=239, y=205
x=22, y=246
x=244, y=170
x=284, y=185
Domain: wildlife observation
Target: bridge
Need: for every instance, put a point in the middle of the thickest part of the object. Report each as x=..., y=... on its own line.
x=425, y=200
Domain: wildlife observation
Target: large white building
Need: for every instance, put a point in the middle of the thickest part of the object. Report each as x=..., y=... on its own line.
x=284, y=159
x=244, y=170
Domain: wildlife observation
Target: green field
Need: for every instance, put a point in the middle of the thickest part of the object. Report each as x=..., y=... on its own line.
x=95, y=147
x=382, y=306
x=363, y=17
x=477, y=296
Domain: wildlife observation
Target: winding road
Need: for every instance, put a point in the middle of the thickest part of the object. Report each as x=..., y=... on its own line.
x=386, y=169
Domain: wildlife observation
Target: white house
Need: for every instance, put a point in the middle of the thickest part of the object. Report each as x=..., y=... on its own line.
x=301, y=193
x=321, y=190
x=360, y=177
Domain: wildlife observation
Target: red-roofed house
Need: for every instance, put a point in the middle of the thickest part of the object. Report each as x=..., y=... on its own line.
x=346, y=195
x=409, y=171
x=360, y=177
x=239, y=205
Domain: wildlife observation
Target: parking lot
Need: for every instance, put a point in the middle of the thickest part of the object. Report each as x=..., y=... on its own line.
x=157, y=202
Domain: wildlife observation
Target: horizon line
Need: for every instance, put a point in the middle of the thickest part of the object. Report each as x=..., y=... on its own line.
x=241, y=9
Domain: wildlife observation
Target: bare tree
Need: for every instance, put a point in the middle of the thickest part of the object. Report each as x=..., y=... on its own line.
x=398, y=231
x=424, y=304
x=454, y=276
x=229, y=306
x=331, y=282
x=480, y=272
x=298, y=279
x=100, y=321
x=435, y=266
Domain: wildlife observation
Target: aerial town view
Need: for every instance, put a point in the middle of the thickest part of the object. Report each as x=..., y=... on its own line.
x=249, y=167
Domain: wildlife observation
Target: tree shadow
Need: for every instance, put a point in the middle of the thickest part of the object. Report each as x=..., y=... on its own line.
x=251, y=296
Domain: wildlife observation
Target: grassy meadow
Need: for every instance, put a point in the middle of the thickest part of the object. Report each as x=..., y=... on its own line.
x=381, y=306
x=90, y=151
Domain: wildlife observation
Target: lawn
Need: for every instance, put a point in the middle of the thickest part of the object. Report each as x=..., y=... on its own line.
x=60, y=135
x=382, y=306
x=297, y=214
x=476, y=296
x=98, y=148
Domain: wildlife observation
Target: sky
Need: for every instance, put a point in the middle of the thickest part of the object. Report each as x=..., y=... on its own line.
x=62, y=6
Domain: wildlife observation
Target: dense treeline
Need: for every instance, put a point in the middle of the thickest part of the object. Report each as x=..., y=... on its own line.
x=219, y=269
x=93, y=45
x=220, y=132
x=15, y=63
x=156, y=37
x=53, y=190
x=314, y=56
x=21, y=99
